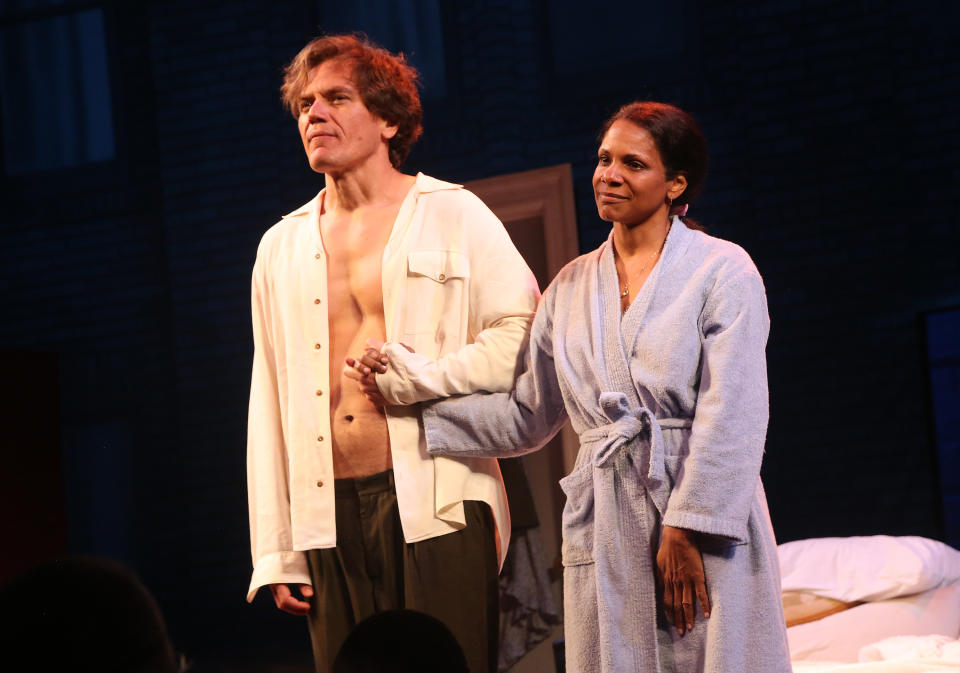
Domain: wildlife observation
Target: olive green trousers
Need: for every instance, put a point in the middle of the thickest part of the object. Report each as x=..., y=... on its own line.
x=452, y=577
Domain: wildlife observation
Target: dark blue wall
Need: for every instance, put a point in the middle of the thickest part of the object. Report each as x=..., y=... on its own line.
x=833, y=129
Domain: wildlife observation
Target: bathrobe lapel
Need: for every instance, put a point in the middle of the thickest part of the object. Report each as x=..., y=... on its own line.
x=614, y=352
x=633, y=321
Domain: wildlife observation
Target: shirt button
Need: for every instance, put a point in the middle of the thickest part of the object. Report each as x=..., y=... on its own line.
x=320, y=438
x=319, y=393
x=442, y=277
x=317, y=256
x=316, y=347
x=316, y=301
x=319, y=483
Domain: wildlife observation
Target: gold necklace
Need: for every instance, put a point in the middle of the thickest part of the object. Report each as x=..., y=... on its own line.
x=625, y=292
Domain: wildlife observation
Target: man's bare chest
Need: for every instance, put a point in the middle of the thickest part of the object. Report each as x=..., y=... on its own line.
x=354, y=250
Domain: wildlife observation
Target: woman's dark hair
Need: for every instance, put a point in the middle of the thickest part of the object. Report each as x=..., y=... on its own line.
x=679, y=140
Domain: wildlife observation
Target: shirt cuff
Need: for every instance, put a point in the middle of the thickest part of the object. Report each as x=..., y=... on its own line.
x=282, y=567
x=396, y=384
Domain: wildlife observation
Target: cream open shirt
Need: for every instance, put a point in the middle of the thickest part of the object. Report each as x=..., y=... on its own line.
x=454, y=289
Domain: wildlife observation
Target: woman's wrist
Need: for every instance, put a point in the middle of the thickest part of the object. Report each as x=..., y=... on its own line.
x=678, y=534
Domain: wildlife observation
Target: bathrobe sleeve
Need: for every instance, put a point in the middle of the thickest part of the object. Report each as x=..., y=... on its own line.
x=716, y=485
x=504, y=424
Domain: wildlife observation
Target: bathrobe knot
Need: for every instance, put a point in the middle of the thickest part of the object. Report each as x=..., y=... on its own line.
x=629, y=426
x=609, y=510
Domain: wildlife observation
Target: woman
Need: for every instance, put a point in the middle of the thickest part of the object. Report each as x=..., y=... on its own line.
x=653, y=346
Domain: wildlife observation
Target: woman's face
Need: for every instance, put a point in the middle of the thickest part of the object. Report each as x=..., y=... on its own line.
x=630, y=183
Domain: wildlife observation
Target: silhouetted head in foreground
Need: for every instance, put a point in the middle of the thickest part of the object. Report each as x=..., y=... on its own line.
x=82, y=614
x=400, y=641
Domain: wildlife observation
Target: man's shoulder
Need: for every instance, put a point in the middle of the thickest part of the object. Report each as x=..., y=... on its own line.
x=288, y=227
x=447, y=204
x=442, y=194
x=427, y=184
x=303, y=210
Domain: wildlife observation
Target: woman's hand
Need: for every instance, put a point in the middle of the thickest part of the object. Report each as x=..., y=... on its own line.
x=364, y=370
x=371, y=362
x=680, y=577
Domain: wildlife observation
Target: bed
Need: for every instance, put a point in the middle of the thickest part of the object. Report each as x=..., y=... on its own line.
x=876, y=604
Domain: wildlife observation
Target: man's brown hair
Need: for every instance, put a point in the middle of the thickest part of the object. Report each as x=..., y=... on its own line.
x=386, y=82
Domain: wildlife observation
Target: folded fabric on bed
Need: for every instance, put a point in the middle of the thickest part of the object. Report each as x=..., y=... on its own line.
x=897, y=648
x=867, y=568
x=839, y=637
x=901, y=666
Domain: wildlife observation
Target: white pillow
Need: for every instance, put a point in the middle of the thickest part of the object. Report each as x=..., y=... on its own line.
x=867, y=568
x=839, y=637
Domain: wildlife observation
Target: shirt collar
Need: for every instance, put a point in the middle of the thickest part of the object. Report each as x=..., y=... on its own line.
x=424, y=185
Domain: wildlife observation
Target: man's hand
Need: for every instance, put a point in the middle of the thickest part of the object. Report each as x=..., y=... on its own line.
x=287, y=602
x=681, y=578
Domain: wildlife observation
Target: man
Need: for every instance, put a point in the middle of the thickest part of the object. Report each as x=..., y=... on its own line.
x=349, y=515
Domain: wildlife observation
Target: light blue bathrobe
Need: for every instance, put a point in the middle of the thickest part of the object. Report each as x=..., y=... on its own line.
x=670, y=403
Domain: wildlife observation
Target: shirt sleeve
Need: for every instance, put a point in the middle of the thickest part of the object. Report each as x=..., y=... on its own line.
x=717, y=483
x=274, y=560
x=503, y=424
x=502, y=299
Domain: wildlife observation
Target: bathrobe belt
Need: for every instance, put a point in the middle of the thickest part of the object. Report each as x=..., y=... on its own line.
x=627, y=425
x=625, y=591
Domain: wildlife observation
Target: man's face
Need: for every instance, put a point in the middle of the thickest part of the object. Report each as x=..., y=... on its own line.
x=339, y=133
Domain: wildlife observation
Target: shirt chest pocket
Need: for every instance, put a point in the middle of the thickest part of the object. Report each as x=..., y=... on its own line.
x=436, y=303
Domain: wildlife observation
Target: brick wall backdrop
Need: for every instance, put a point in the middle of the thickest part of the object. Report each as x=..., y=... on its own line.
x=833, y=129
